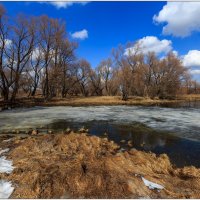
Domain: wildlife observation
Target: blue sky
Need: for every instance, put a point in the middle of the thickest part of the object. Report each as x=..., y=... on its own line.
x=107, y=24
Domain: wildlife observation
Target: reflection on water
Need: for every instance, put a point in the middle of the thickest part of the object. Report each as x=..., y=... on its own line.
x=184, y=104
x=181, y=151
x=183, y=122
x=174, y=130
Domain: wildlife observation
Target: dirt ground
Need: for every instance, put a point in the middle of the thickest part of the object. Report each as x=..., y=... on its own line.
x=77, y=165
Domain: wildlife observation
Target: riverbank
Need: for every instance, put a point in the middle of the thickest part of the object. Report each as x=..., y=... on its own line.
x=81, y=166
x=116, y=100
x=96, y=101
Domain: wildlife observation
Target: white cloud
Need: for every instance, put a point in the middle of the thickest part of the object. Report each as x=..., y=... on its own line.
x=65, y=4
x=192, y=59
x=151, y=44
x=195, y=72
x=181, y=18
x=36, y=53
x=8, y=42
x=83, y=34
x=175, y=53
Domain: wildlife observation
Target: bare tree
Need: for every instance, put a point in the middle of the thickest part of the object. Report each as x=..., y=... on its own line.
x=34, y=69
x=67, y=57
x=4, y=80
x=172, y=76
x=105, y=70
x=48, y=30
x=125, y=63
x=96, y=82
x=36, y=54
x=82, y=75
x=20, y=49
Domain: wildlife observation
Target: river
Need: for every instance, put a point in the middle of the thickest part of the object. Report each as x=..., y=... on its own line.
x=174, y=130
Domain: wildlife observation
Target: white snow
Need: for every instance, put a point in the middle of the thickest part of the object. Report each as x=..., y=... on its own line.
x=5, y=165
x=121, y=150
x=4, y=150
x=8, y=140
x=152, y=185
x=6, y=189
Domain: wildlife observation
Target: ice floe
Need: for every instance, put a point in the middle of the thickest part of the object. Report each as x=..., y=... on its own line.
x=6, y=189
x=152, y=185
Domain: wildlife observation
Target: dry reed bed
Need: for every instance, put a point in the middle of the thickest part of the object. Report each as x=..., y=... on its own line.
x=81, y=166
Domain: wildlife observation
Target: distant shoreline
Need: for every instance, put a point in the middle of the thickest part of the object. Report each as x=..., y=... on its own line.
x=96, y=101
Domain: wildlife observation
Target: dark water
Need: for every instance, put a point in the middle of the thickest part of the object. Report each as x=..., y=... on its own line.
x=173, y=129
x=182, y=152
x=184, y=104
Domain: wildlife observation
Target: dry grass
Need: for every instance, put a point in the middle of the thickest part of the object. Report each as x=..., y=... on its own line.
x=114, y=100
x=189, y=97
x=82, y=166
x=100, y=100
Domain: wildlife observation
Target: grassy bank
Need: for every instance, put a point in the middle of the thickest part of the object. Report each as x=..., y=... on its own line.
x=82, y=166
x=98, y=100
x=115, y=100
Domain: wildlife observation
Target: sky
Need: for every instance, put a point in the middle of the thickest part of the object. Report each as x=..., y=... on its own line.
x=100, y=26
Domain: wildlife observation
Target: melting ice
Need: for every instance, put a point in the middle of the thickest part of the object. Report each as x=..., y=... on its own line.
x=184, y=122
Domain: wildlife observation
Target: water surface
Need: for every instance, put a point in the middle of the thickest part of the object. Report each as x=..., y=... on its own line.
x=175, y=131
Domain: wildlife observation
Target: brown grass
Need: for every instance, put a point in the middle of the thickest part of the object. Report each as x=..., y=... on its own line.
x=82, y=166
x=111, y=100
x=99, y=100
x=189, y=97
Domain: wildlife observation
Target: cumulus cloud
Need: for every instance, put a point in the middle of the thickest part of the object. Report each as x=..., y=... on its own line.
x=36, y=53
x=192, y=59
x=83, y=34
x=181, y=18
x=175, y=53
x=65, y=4
x=195, y=72
x=8, y=42
x=150, y=44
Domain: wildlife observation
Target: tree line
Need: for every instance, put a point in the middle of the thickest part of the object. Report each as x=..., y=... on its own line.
x=37, y=57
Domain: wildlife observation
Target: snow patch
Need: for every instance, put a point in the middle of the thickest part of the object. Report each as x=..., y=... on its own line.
x=121, y=150
x=8, y=140
x=6, y=189
x=4, y=150
x=152, y=185
x=5, y=165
